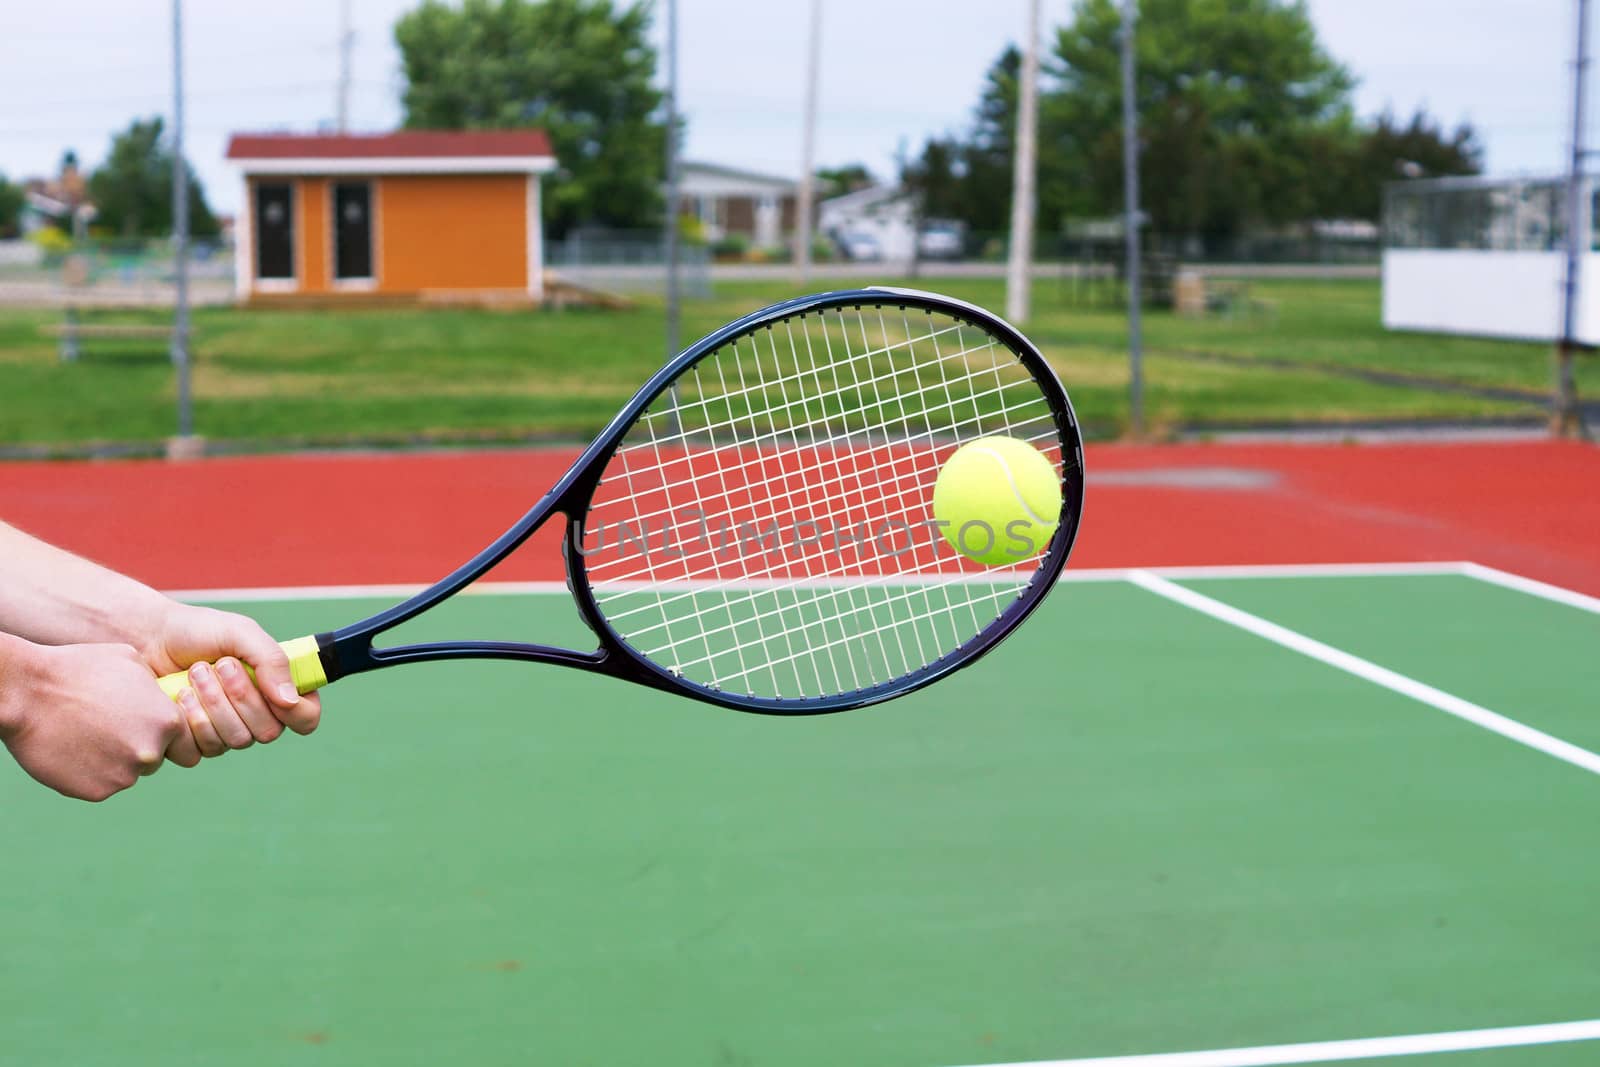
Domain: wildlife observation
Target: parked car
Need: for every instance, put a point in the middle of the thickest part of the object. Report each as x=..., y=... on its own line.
x=861, y=246
x=939, y=242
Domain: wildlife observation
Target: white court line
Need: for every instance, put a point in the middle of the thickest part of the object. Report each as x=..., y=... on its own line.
x=1307, y=570
x=1358, y=1049
x=1570, y=597
x=1366, y=669
x=1082, y=574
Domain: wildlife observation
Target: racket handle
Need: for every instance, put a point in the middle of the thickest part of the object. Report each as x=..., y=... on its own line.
x=305, y=667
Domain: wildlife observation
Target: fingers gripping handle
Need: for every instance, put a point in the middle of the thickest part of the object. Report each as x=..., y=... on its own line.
x=305, y=667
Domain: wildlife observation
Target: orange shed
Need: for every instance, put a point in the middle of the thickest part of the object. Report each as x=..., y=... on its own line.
x=427, y=215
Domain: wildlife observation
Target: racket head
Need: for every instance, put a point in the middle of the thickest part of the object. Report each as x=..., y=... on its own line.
x=833, y=409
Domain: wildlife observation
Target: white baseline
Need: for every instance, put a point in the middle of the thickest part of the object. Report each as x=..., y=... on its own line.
x=1358, y=1049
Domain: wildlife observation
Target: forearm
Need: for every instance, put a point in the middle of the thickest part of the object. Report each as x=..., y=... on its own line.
x=52, y=597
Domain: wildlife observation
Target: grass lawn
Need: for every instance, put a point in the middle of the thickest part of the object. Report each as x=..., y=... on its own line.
x=322, y=376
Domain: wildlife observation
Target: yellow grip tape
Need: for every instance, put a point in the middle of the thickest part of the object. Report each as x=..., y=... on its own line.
x=305, y=667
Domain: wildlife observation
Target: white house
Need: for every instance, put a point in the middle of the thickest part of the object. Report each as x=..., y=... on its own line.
x=1485, y=257
x=884, y=213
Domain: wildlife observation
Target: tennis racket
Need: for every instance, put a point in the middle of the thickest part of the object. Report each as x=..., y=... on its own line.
x=753, y=528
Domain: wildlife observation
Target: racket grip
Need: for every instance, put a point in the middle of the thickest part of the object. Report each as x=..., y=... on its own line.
x=305, y=667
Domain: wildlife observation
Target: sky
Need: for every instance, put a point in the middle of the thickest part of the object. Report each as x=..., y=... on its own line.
x=893, y=72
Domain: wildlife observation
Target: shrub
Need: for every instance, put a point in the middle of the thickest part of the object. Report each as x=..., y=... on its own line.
x=733, y=246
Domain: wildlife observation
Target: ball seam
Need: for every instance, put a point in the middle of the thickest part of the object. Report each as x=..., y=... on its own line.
x=1005, y=468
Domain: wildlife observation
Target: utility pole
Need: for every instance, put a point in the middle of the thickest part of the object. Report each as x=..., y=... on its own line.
x=347, y=39
x=180, y=233
x=1019, y=269
x=673, y=294
x=913, y=192
x=1566, y=417
x=808, y=139
x=1131, y=220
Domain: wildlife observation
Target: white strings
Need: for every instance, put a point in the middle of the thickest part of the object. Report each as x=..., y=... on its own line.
x=763, y=529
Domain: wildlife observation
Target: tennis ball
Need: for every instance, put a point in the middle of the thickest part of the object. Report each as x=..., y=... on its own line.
x=998, y=499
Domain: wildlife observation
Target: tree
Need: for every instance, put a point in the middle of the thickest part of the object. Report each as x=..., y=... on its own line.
x=132, y=189
x=581, y=70
x=11, y=200
x=968, y=177
x=1419, y=148
x=836, y=181
x=936, y=180
x=1231, y=95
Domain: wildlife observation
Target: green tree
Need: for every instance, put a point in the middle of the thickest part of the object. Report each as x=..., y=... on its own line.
x=1232, y=95
x=935, y=180
x=1244, y=121
x=968, y=177
x=581, y=70
x=985, y=162
x=11, y=200
x=132, y=189
x=1390, y=149
x=836, y=181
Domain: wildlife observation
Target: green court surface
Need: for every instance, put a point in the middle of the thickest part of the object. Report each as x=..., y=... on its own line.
x=1133, y=829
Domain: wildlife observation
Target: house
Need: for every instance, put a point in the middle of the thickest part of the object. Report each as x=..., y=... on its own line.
x=417, y=215
x=881, y=217
x=62, y=201
x=738, y=203
x=880, y=222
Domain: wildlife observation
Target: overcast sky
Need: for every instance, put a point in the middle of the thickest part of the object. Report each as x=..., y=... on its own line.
x=74, y=71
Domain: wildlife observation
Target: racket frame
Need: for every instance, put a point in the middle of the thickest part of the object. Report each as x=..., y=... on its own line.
x=350, y=649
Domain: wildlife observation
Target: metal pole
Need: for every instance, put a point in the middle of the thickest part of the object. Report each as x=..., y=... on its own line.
x=1019, y=266
x=1566, y=415
x=180, y=232
x=802, y=252
x=1130, y=223
x=673, y=295
x=346, y=39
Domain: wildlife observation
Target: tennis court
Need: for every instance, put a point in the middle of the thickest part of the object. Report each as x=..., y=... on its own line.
x=1136, y=828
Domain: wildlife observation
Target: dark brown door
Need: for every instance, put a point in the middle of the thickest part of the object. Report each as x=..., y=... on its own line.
x=352, y=230
x=274, y=230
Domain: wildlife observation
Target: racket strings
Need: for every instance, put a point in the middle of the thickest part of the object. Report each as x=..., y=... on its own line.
x=836, y=423
x=786, y=492
x=835, y=593
x=688, y=478
x=781, y=486
x=879, y=629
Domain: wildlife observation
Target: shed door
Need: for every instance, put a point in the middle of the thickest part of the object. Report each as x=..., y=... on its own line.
x=352, y=230
x=274, y=230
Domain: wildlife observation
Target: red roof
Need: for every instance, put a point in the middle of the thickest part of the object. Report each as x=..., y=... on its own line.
x=404, y=144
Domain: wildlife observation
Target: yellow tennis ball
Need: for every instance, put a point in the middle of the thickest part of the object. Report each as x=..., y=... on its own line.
x=998, y=500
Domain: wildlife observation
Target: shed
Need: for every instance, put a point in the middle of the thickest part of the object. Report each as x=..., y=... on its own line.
x=448, y=216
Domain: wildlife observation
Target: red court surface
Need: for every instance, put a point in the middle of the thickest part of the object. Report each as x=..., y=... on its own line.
x=1528, y=507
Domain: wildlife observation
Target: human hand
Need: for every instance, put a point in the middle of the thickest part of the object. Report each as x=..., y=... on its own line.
x=223, y=707
x=89, y=720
